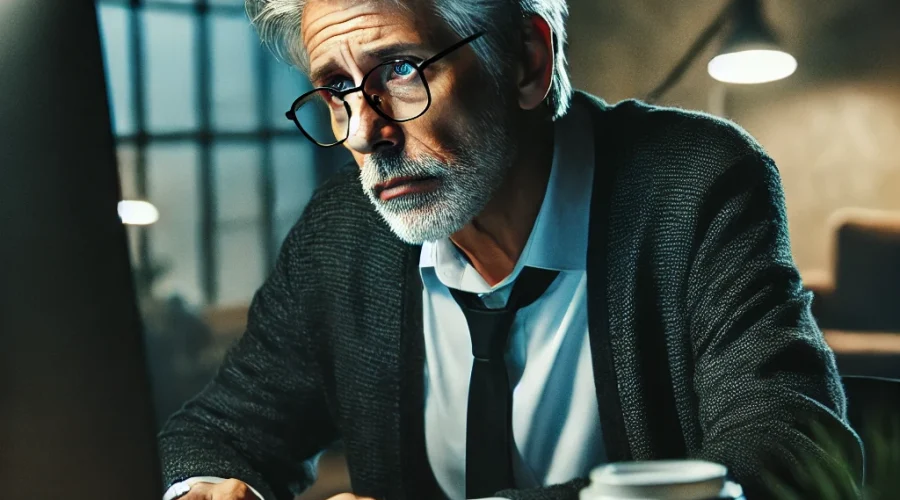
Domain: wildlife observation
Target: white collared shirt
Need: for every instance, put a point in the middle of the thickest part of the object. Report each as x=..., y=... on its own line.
x=555, y=417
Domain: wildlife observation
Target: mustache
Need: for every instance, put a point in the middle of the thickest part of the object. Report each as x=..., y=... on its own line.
x=381, y=167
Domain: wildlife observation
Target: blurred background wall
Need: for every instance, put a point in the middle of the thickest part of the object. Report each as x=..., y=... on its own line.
x=833, y=127
x=199, y=115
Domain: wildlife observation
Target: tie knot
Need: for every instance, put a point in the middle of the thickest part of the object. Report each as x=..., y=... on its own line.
x=489, y=328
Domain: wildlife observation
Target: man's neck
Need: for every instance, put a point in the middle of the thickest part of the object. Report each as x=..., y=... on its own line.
x=495, y=239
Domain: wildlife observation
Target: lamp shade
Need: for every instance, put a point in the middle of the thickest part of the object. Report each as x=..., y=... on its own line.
x=751, y=54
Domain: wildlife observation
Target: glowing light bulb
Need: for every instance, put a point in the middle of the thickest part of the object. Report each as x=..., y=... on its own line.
x=752, y=66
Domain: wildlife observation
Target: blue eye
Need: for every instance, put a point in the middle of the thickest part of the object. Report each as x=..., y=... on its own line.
x=404, y=69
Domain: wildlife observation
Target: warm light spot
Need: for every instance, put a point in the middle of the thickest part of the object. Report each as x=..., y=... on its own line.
x=137, y=213
x=752, y=66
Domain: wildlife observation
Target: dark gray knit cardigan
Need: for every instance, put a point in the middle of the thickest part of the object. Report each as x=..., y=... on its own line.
x=702, y=339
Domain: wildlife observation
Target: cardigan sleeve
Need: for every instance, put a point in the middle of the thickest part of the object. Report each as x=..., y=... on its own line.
x=770, y=398
x=264, y=413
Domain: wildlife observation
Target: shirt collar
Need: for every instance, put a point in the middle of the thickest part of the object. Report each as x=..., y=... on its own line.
x=558, y=240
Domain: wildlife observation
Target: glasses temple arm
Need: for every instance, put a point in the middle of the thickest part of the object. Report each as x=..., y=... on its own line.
x=450, y=49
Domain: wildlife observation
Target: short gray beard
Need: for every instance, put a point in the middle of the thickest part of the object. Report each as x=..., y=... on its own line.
x=467, y=184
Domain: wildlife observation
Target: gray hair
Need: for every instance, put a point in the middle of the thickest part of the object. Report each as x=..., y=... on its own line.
x=278, y=24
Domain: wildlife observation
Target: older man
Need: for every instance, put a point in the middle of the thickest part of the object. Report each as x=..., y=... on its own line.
x=513, y=284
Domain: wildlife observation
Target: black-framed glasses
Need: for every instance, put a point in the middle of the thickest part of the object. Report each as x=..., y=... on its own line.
x=397, y=90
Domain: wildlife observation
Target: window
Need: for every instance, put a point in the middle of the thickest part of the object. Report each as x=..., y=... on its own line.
x=198, y=110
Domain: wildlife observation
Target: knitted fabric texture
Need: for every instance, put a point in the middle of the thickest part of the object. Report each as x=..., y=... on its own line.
x=702, y=340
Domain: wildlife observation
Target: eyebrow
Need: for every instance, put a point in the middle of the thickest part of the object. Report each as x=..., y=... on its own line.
x=382, y=53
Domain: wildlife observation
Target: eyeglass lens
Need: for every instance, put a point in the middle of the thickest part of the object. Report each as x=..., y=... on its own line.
x=395, y=89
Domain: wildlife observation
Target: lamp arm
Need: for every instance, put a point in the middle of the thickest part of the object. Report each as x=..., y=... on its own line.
x=693, y=52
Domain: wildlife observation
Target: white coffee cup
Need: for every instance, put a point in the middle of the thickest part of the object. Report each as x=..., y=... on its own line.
x=660, y=480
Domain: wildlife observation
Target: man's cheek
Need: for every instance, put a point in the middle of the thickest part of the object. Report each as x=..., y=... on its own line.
x=450, y=136
x=423, y=141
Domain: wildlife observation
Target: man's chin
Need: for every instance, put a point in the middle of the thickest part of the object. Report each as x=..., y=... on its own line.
x=430, y=216
x=418, y=226
x=417, y=234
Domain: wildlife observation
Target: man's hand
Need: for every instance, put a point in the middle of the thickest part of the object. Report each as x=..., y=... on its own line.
x=231, y=489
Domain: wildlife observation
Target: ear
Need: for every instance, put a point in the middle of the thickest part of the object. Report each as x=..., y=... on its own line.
x=536, y=68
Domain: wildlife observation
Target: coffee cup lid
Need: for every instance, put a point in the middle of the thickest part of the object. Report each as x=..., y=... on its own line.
x=658, y=472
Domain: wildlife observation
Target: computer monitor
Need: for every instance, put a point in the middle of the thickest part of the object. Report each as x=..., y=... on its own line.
x=75, y=412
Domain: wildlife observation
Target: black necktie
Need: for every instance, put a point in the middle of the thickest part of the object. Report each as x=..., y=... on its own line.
x=489, y=416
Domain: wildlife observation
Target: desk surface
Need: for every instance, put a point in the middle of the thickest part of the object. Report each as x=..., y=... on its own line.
x=844, y=342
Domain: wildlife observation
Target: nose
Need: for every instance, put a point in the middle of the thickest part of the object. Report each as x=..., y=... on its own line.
x=370, y=131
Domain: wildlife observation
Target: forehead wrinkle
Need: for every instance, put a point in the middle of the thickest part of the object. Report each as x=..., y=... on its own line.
x=336, y=16
x=349, y=55
x=363, y=36
x=349, y=61
x=337, y=30
x=355, y=57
